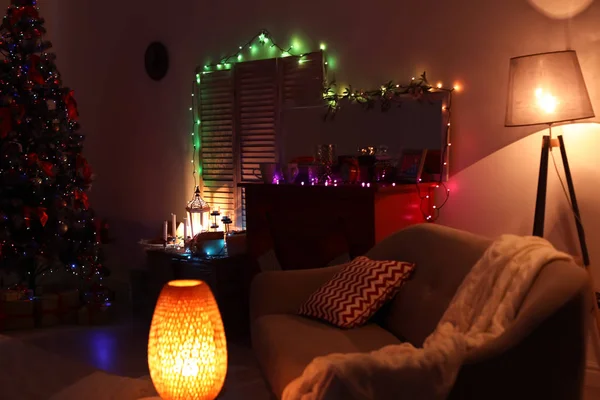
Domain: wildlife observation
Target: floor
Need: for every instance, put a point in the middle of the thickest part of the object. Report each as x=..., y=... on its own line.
x=120, y=349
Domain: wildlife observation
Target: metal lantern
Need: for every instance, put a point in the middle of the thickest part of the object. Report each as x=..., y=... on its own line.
x=198, y=211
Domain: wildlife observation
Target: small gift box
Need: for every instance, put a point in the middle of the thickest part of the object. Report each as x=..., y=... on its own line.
x=59, y=307
x=14, y=293
x=17, y=314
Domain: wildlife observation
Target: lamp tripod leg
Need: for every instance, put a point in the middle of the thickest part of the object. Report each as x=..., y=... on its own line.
x=540, y=201
x=581, y=235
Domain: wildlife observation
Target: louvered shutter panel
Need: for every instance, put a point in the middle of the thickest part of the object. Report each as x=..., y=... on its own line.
x=257, y=105
x=240, y=110
x=301, y=80
x=217, y=137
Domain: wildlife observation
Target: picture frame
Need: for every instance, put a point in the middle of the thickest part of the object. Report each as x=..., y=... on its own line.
x=410, y=165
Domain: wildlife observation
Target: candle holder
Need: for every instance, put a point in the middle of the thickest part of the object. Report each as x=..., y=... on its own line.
x=215, y=214
x=226, y=221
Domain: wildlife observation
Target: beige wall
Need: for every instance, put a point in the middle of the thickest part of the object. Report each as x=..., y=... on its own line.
x=138, y=129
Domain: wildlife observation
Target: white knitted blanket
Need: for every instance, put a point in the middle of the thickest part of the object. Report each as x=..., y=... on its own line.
x=485, y=304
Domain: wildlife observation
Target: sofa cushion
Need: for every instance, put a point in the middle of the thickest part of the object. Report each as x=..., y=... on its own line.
x=285, y=344
x=354, y=294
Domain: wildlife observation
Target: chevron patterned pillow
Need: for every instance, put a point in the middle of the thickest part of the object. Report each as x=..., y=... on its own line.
x=357, y=291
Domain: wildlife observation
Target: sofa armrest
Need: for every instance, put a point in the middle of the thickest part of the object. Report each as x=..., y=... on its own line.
x=542, y=354
x=282, y=292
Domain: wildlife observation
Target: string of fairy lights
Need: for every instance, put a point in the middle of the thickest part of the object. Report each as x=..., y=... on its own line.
x=386, y=95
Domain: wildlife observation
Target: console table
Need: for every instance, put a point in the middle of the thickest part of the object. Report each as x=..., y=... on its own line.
x=368, y=214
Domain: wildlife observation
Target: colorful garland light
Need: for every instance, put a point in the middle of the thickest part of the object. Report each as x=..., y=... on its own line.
x=386, y=96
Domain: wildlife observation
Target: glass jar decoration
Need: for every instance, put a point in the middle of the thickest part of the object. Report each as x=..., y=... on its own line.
x=325, y=157
x=198, y=213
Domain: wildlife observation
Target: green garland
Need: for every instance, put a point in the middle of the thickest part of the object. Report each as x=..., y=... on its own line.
x=388, y=94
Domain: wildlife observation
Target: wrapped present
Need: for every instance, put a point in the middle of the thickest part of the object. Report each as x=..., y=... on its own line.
x=59, y=307
x=96, y=314
x=17, y=314
x=14, y=293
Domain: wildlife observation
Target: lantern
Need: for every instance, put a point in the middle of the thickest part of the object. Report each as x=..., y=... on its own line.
x=187, y=350
x=198, y=213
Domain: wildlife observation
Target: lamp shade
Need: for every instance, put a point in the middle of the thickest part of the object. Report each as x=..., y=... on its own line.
x=546, y=88
x=187, y=350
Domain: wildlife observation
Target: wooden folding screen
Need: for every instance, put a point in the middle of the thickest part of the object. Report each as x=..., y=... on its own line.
x=239, y=111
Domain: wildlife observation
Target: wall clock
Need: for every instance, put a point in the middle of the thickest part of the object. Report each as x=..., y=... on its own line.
x=156, y=61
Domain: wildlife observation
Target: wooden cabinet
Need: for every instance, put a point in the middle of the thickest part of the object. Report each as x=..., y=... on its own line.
x=367, y=214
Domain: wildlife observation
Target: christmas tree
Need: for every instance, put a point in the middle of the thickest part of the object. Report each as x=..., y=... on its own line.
x=46, y=222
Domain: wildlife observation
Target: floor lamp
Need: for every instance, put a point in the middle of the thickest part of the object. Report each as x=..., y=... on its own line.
x=548, y=88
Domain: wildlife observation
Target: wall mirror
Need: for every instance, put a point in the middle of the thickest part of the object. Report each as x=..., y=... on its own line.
x=273, y=111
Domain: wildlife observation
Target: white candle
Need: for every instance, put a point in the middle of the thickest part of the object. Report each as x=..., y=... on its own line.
x=174, y=218
x=184, y=228
x=165, y=228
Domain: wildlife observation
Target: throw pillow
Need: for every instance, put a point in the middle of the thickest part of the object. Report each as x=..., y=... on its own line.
x=353, y=295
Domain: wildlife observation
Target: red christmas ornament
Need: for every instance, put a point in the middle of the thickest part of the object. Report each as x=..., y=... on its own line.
x=42, y=215
x=71, y=105
x=48, y=168
x=39, y=213
x=32, y=158
x=82, y=165
x=5, y=121
x=34, y=73
x=82, y=197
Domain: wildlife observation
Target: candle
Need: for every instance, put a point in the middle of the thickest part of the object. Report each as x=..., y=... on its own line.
x=184, y=228
x=165, y=228
x=174, y=227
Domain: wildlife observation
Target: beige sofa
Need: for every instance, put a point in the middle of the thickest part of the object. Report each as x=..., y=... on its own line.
x=541, y=356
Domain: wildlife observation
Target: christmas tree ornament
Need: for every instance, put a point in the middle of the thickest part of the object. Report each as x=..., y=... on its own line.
x=62, y=228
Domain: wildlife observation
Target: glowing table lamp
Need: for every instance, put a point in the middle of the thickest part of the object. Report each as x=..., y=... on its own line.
x=548, y=88
x=187, y=350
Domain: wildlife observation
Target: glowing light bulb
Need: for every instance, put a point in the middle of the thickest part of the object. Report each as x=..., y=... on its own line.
x=322, y=46
x=239, y=57
x=439, y=85
x=546, y=101
x=457, y=87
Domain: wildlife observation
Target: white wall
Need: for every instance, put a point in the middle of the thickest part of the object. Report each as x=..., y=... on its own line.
x=138, y=129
